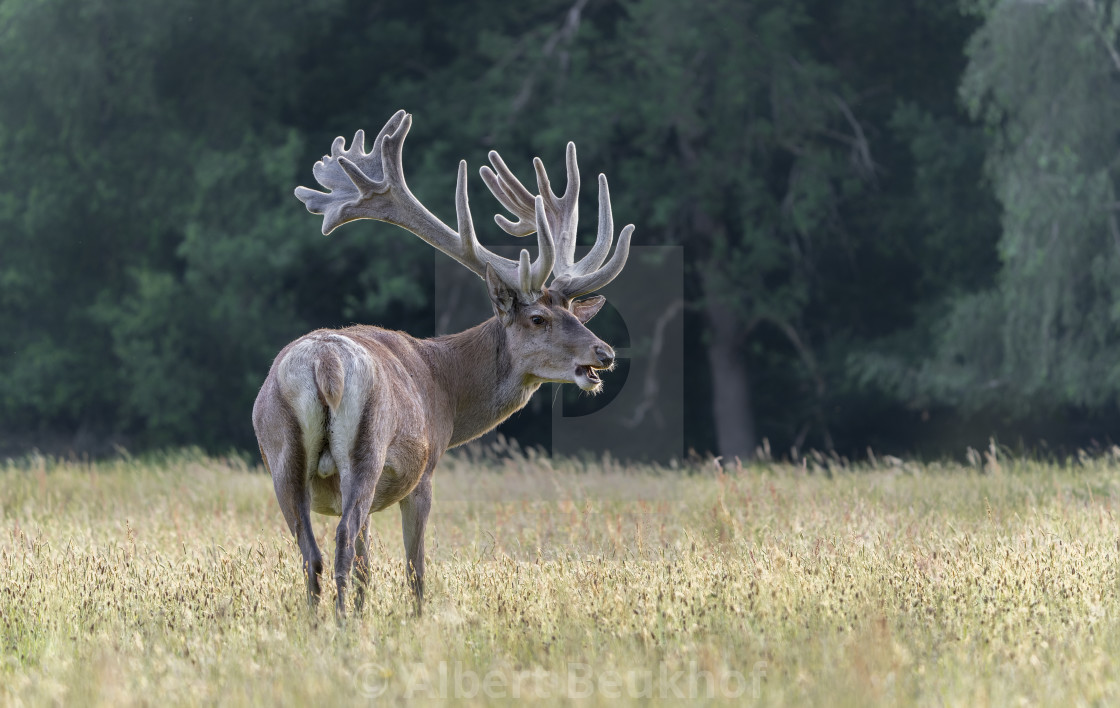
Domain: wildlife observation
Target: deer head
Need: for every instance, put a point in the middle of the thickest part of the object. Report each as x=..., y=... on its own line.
x=543, y=324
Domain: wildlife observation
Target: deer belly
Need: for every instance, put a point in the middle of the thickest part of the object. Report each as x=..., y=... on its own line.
x=405, y=464
x=394, y=483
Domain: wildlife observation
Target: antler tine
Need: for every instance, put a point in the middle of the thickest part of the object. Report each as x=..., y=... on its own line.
x=338, y=173
x=589, y=274
x=562, y=212
x=560, y=215
x=547, y=261
x=509, y=191
x=527, y=277
x=574, y=286
x=603, y=239
x=372, y=186
x=569, y=204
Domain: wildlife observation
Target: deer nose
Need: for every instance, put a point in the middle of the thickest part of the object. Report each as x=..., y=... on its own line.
x=605, y=355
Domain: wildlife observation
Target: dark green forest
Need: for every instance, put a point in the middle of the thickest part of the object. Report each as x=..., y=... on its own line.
x=898, y=218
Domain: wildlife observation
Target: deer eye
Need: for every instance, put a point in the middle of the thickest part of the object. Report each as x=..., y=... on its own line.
x=537, y=320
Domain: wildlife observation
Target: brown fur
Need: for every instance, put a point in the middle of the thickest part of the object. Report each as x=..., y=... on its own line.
x=354, y=420
x=375, y=409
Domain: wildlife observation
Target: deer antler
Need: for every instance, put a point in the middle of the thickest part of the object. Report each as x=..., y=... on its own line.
x=559, y=216
x=372, y=186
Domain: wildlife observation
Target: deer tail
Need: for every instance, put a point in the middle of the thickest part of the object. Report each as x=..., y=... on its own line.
x=329, y=377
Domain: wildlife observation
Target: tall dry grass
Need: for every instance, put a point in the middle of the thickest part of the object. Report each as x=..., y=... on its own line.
x=172, y=579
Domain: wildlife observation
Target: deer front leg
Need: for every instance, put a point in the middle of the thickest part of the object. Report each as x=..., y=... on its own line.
x=414, y=519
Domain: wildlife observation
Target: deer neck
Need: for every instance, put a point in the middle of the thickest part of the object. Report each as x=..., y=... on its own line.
x=483, y=383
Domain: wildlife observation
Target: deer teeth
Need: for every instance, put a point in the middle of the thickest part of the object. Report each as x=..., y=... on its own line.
x=589, y=373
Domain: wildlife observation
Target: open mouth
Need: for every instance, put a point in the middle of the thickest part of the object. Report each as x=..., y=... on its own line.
x=587, y=378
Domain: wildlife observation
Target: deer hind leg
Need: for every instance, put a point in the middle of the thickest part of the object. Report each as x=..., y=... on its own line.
x=358, y=480
x=358, y=452
x=298, y=438
x=312, y=558
x=287, y=467
x=312, y=417
x=361, y=566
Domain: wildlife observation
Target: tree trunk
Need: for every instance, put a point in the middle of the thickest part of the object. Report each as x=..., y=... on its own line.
x=731, y=394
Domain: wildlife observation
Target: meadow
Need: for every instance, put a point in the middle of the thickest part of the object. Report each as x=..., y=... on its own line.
x=172, y=579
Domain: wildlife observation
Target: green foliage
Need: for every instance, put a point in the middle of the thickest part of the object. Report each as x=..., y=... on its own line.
x=750, y=184
x=1042, y=78
x=154, y=257
x=812, y=157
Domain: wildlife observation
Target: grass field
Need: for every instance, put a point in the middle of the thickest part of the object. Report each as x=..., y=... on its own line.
x=173, y=580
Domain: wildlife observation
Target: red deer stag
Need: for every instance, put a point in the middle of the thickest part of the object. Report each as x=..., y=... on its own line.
x=354, y=420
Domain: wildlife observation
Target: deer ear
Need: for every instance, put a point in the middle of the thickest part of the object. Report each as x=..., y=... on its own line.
x=502, y=296
x=588, y=307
